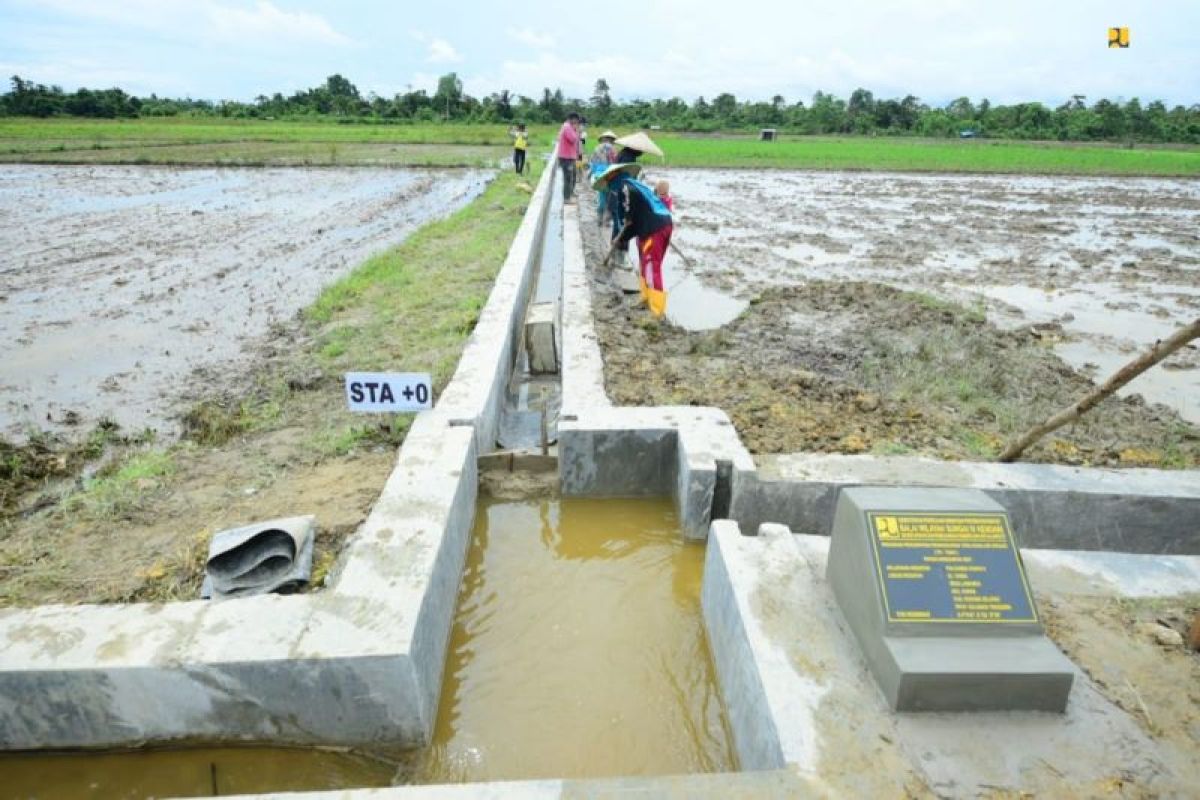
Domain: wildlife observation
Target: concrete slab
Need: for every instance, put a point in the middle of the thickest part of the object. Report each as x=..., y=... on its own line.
x=781, y=645
x=359, y=663
x=541, y=342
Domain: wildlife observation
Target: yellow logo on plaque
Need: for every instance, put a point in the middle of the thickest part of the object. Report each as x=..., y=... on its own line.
x=886, y=526
x=1118, y=37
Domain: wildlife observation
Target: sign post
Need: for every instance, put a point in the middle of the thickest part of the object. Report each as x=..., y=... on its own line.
x=933, y=587
x=374, y=392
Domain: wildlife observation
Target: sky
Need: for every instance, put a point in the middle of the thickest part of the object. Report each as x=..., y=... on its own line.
x=1005, y=50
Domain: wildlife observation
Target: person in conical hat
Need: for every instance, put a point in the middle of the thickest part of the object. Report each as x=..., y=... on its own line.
x=634, y=145
x=640, y=214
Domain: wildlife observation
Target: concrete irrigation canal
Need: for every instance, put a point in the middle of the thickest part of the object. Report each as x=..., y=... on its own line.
x=557, y=596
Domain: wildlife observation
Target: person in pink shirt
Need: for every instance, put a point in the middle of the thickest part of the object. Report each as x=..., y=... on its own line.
x=567, y=152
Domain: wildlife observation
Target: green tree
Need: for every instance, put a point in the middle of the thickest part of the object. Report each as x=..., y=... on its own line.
x=449, y=94
x=601, y=101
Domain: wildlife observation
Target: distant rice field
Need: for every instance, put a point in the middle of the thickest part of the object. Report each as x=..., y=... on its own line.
x=929, y=155
x=199, y=141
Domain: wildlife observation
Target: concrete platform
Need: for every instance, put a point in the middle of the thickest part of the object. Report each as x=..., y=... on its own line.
x=799, y=693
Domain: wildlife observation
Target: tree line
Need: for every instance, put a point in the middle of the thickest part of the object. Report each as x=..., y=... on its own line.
x=862, y=113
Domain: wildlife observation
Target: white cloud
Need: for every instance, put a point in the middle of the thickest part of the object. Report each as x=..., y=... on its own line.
x=259, y=23
x=526, y=36
x=442, y=52
x=268, y=22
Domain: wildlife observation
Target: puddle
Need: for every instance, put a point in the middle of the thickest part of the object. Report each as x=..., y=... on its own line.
x=206, y=772
x=1109, y=326
x=694, y=306
x=118, y=282
x=577, y=649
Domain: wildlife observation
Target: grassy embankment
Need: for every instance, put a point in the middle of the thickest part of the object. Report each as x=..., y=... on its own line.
x=264, y=142
x=181, y=141
x=285, y=446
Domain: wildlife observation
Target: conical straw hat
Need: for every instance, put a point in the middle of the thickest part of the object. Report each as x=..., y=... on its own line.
x=603, y=178
x=640, y=141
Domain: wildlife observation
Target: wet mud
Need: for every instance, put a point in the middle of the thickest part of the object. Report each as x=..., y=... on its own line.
x=127, y=292
x=940, y=315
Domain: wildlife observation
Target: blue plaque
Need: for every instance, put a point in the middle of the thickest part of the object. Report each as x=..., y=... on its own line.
x=948, y=567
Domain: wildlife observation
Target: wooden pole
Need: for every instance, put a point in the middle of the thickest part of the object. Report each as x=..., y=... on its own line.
x=1160, y=350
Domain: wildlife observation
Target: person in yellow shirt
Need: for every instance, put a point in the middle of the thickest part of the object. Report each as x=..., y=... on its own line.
x=520, y=145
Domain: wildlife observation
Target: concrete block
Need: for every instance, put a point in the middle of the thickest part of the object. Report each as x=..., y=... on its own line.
x=933, y=589
x=541, y=343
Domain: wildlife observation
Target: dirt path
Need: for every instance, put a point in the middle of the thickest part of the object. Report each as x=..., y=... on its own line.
x=833, y=357
x=119, y=283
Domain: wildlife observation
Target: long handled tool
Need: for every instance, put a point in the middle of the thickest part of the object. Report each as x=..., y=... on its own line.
x=612, y=249
x=687, y=261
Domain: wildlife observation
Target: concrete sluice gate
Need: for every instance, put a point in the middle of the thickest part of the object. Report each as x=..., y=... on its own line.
x=692, y=638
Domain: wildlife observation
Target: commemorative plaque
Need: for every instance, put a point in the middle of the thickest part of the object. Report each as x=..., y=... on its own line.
x=932, y=585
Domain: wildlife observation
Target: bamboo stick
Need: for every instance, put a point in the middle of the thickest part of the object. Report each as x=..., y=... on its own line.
x=1160, y=350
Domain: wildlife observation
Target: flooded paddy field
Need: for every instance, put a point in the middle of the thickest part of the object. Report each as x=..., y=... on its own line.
x=125, y=290
x=922, y=313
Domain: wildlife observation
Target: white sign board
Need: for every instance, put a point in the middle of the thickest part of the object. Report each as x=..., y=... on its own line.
x=389, y=391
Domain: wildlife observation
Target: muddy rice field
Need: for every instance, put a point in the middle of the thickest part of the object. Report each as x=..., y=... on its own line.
x=927, y=314
x=128, y=292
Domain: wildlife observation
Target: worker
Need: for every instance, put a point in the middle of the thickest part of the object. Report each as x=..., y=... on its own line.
x=520, y=144
x=567, y=151
x=643, y=216
x=604, y=155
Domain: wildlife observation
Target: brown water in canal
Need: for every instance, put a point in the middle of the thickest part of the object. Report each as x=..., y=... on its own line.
x=207, y=772
x=577, y=649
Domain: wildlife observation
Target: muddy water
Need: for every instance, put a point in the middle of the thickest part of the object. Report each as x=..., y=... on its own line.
x=577, y=649
x=186, y=773
x=1116, y=262
x=118, y=283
